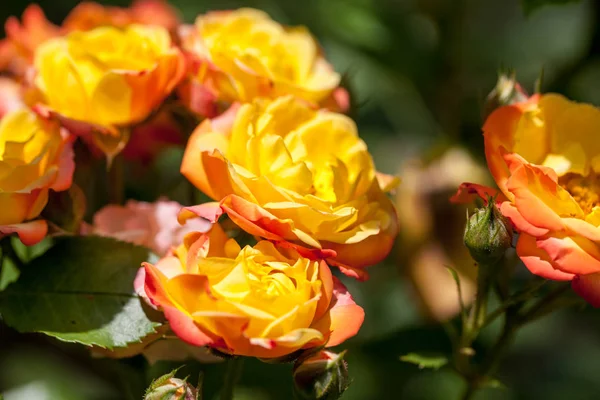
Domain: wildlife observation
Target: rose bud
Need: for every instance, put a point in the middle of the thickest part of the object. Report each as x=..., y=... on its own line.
x=323, y=376
x=167, y=387
x=488, y=234
x=507, y=91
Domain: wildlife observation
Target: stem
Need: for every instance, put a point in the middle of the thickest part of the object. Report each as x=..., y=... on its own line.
x=495, y=355
x=472, y=325
x=545, y=304
x=116, y=180
x=514, y=320
x=480, y=306
x=232, y=374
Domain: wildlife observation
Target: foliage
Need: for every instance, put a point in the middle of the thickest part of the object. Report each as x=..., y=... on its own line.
x=81, y=290
x=425, y=361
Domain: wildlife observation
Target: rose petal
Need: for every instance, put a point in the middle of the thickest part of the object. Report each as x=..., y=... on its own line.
x=29, y=233
x=344, y=318
x=588, y=287
x=468, y=192
x=185, y=328
x=537, y=260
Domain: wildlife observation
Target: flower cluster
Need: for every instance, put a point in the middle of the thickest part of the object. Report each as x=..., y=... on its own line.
x=270, y=146
x=545, y=158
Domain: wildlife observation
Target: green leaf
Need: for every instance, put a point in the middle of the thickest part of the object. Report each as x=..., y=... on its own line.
x=27, y=253
x=529, y=6
x=432, y=361
x=81, y=290
x=9, y=273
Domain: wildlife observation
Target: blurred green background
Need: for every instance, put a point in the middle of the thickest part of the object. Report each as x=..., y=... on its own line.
x=419, y=70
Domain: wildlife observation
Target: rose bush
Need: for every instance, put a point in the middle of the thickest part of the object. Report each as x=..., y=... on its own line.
x=286, y=172
x=259, y=301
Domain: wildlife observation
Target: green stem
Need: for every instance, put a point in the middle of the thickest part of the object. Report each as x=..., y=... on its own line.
x=514, y=320
x=472, y=325
x=493, y=358
x=232, y=374
x=545, y=304
x=116, y=180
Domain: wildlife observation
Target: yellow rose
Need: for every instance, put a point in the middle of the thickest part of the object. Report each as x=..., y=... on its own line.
x=108, y=77
x=244, y=54
x=286, y=172
x=259, y=301
x=35, y=156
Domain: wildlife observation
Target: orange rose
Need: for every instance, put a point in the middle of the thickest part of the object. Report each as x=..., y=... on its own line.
x=107, y=79
x=35, y=156
x=545, y=157
x=259, y=301
x=23, y=37
x=243, y=54
x=286, y=172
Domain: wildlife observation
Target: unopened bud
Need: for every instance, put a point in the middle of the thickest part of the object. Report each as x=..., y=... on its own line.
x=322, y=376
x=507, y=91
x=488, y=234
x=167, y=387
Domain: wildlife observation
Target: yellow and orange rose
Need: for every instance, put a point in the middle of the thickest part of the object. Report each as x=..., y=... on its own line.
x=545, y=157
x=243, y=54
x=286, y=172
x=35, y=156
x=107, y=78
x=259, y=301
x=24, y=36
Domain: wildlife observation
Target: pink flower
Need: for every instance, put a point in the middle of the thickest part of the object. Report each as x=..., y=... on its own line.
x=153, y=225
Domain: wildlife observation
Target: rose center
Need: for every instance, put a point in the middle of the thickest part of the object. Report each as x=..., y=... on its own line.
x=584, y=189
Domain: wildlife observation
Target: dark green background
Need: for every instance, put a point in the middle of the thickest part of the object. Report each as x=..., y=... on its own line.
x=419, y=70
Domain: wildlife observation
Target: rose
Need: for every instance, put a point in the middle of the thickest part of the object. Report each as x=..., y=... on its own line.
x=545, y=157
x=90, y=15
x=285, y=172
x=107, y=78
x=23, y=37
x=259, y=301
x=35, y=156
x=153, y=225
x=243, y=54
